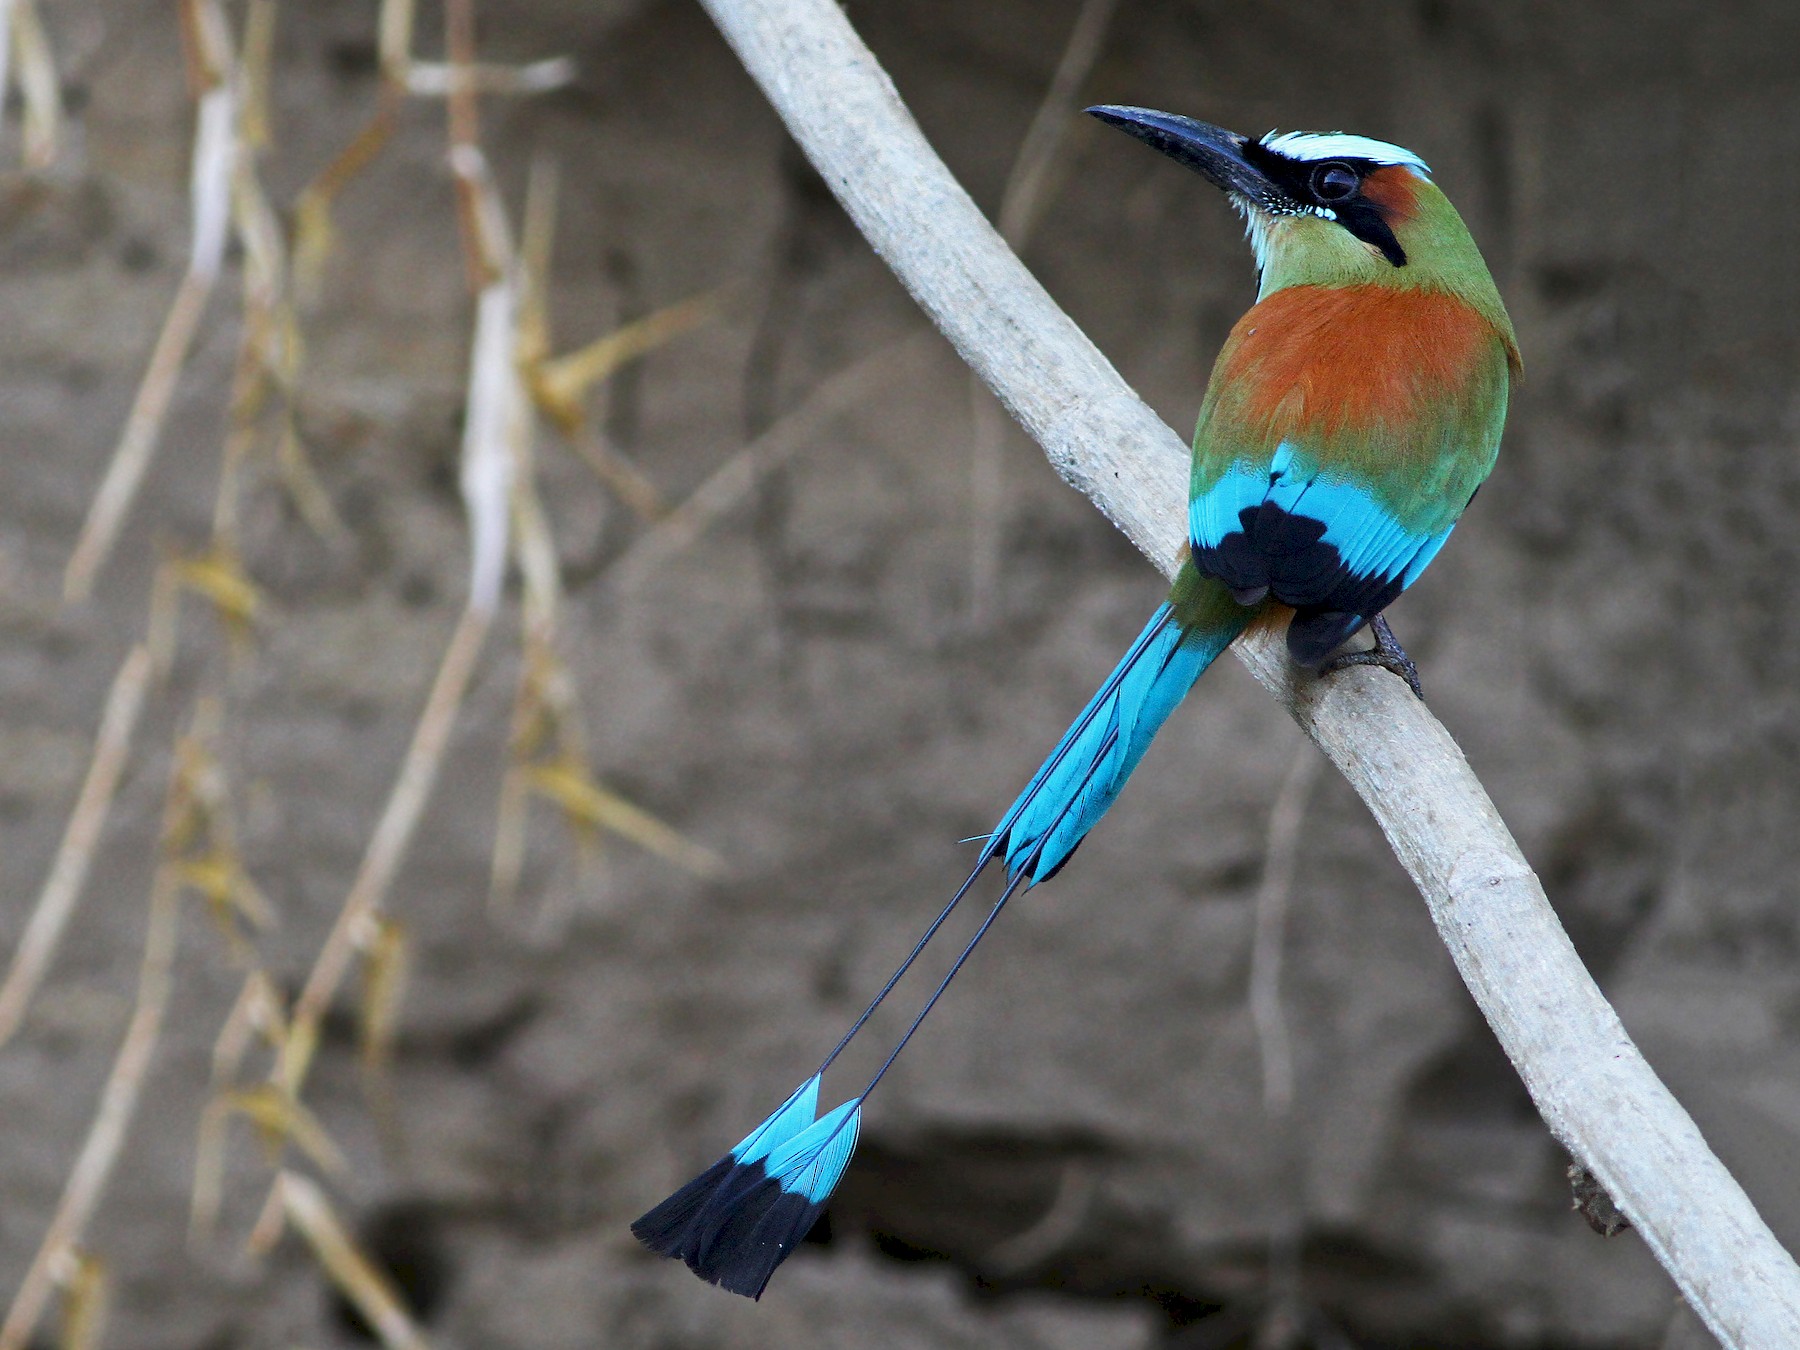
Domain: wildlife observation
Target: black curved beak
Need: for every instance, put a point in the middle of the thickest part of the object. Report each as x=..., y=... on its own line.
x=1211, y=151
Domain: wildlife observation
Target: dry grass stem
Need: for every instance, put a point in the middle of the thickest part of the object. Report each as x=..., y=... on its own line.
x=216, y=151
x=306, y=1207
x=393, y=38
x=387, y=962
x=507, y=861
x=270, y=351
x=511, y=345
x=562, y=382
x=125, y=474
x=62, y=887
x=619, y=474
x=217, y=576
x=585, y=802
x=39, y=88
x=7, y=8
x=1027, y=184
x=87, y=1295
x=278, y=1118
x=461, y=79
x=258, y=1011
x=387, y=846
x=506, y=524
x=559, y=386
x=497, y=424
x=496, y=446
x=441, y=79
x=314, y=234
x=271, y=1221
x=548, y=751
x=462, y=104
x=106, y=1135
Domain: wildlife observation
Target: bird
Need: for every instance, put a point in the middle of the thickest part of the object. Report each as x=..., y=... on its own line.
x=1351, y=415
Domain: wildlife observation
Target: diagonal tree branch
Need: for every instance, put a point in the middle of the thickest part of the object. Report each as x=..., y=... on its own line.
x=1591, y=1085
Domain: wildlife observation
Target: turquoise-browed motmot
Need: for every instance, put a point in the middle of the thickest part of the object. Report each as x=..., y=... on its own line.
x=1351, y=415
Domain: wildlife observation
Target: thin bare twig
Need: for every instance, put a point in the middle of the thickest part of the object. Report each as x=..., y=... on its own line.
x=1020, y=202
x=547, y=745
x=54, y=1262
x=279, y=1118
x=1076, y=1187
x=87, y=1298
x=216, y=150
x=7, y=9
x=1027, y=184
x=495, y=427
x=1591, y=1084
x=1281, y=1322
x=38, y=85
x=62, y=888
x=387, y=845
x=1279, y=858
x=373, y=1295
x=734, y=480
x=441, y=79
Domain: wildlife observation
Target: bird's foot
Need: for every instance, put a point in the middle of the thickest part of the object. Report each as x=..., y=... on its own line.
x=1386, y=653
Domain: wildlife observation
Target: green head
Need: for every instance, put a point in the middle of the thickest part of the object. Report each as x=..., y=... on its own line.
x=1329, y=210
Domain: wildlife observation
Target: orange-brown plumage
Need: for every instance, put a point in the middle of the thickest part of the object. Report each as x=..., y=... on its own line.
x=1394, y=189
x=1311, y=362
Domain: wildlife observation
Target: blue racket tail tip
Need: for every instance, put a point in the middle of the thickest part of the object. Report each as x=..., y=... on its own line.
x=668, y=1228
x=762, y=1210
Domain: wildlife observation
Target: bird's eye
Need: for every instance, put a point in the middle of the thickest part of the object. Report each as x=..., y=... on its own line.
x=1335, y=182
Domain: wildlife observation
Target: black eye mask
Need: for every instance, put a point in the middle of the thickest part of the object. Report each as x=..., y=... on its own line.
x=1333, y=185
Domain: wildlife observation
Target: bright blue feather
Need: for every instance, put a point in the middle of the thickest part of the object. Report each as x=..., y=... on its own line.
x=1427, y=551
x=790, y=1119
x=1213, y=514
x=1370, y=542
x=737, y=1221
x=812, y=1163
x=1084, y=774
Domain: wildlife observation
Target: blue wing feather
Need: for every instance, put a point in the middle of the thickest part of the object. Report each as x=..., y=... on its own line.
x=1317, y=541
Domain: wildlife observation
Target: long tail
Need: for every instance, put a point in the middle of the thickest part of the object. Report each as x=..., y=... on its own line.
x=1084, y=774
x=738, y=1220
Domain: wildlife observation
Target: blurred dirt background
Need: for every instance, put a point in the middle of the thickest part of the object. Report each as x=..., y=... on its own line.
x=1074, y=1154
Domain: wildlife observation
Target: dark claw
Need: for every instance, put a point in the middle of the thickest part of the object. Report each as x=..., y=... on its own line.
x=1386, y=653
